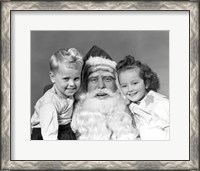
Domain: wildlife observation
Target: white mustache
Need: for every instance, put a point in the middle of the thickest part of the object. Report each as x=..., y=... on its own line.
x=93, y=104
x=102, y=91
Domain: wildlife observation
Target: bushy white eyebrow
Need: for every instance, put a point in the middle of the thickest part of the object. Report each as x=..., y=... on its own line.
x=96, y=74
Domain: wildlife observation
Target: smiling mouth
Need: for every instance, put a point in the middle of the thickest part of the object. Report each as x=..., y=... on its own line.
x=102, y=95
x=72, y=89
x=132, y=94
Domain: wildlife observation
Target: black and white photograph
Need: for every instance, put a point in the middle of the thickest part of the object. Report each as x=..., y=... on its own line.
x=100, y=85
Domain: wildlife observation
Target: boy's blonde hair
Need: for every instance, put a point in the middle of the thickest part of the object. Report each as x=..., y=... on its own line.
x=71, y=58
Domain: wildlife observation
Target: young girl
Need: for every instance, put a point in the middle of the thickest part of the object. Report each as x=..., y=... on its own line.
x=139, y=84
x=53, y=111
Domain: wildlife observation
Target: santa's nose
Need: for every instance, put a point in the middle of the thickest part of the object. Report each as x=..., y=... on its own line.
x=101, y=84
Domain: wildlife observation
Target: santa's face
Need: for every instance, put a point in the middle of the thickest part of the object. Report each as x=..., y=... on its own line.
x=101, y=80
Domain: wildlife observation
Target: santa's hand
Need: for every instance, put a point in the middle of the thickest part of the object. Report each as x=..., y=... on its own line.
x=78, y=134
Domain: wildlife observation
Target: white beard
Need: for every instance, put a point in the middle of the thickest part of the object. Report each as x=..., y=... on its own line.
x=104, y=106
x=103, y=119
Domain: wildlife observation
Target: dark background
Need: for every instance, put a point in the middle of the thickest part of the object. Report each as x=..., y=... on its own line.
x=150, y=47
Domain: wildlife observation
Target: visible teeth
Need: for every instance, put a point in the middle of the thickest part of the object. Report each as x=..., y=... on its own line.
x=131, y=94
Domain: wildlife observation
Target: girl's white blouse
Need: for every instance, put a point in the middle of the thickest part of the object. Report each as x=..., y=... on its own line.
x=152, y=116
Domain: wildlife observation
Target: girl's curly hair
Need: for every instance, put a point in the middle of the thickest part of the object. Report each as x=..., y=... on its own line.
x=150, y=77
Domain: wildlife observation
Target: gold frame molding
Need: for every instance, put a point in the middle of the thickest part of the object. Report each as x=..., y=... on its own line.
x=8, y=6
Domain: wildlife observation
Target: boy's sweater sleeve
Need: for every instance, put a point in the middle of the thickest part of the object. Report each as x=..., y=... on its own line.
x=49, y=122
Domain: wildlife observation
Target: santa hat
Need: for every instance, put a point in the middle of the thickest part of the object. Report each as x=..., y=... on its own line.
x=96, y=59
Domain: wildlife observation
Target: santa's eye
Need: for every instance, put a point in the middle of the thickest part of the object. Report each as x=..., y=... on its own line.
x=93, y=79
x=108, y=78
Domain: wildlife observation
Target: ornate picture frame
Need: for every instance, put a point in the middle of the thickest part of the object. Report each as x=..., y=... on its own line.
x=6, y=11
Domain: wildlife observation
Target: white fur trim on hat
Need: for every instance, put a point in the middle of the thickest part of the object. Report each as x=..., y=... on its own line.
x=101, y=61
x=102, y=67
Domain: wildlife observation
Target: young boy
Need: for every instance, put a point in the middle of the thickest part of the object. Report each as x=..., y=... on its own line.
x=53, y=111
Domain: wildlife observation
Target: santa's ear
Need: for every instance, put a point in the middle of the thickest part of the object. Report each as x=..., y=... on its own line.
x=52, y=76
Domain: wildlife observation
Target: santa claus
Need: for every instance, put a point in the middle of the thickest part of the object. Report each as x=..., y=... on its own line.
x=101, y=113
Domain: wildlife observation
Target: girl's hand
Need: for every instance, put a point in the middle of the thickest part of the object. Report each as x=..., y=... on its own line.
x=143, y=117
x=140, y=115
